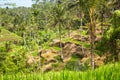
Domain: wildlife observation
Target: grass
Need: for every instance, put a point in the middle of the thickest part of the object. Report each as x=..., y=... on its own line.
x=85, y=44
x=107, y=72
x=5, y=35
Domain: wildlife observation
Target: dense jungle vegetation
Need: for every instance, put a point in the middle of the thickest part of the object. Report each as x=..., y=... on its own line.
x=61, y=40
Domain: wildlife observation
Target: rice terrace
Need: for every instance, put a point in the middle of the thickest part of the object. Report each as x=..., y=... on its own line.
x=59, y=40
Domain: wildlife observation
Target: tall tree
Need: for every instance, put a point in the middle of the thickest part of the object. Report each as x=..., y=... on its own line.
x=58, y=18
x=81, y=5
x=88, y=6
x=92, y=28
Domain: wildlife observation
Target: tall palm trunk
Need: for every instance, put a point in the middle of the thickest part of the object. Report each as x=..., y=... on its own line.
x=81, y=34
x=92, y=35
x=103, y=21
x=60, y=36
x=92, y=47
x=81, y=29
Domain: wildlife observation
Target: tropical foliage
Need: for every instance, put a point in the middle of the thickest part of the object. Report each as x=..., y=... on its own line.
x=26, y=32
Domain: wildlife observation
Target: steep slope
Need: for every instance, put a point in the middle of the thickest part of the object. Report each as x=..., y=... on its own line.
x=76, y=51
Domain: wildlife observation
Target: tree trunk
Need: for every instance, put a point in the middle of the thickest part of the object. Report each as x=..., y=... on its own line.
x=81, y=29
x=60, y=36
x=92, y=36
x=81, y=34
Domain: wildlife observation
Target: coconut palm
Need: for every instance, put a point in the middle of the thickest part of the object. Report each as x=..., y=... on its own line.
x=87, y=6
x=81, y=6
x=92, y=27
x=58, y=18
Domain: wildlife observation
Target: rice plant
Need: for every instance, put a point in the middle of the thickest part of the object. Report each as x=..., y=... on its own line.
x=108, y=72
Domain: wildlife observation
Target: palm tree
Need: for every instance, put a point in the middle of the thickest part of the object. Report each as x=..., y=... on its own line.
x=84, y=6
x=92, y=28
x=58, y=18
x=81, y=6
x=92, y=35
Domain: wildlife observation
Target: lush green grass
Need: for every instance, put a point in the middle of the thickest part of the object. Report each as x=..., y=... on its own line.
x=5, y=35
x=108, y=72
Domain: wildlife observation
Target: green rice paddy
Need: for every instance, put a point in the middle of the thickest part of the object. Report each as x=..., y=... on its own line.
x=107, y=72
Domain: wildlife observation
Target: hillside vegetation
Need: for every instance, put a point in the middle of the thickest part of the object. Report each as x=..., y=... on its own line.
x=61, y=40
